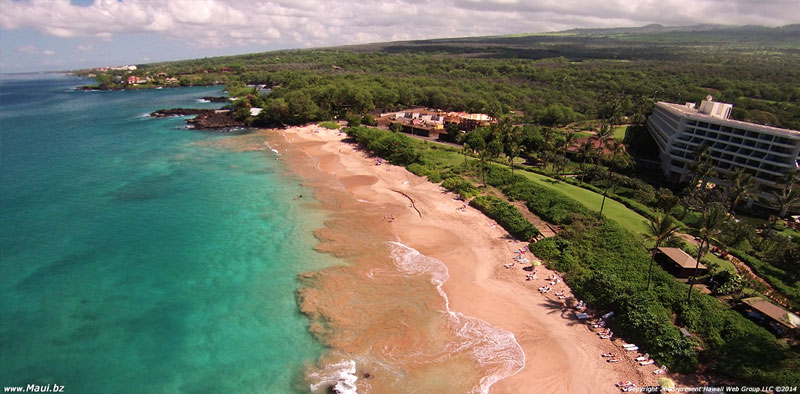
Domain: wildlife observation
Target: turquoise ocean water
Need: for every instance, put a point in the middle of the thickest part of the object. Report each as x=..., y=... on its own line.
x=134, y=259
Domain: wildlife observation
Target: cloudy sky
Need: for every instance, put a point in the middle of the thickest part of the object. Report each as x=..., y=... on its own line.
x=40, y=35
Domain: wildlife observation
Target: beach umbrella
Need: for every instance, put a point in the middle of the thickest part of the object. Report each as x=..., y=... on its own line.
x=536, y=263
x=666, y=383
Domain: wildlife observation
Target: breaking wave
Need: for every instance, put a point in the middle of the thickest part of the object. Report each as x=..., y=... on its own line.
x=494, y=348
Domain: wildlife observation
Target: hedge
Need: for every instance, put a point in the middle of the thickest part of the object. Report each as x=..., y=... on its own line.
x=507, y=216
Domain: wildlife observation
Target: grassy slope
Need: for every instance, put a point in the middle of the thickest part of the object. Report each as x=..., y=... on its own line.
x=613, y=210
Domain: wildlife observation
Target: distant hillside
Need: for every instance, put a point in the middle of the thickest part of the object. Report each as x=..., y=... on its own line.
x=553, y=78
x=780, y=37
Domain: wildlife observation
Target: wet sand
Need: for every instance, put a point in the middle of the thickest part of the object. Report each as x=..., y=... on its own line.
x=561, y=354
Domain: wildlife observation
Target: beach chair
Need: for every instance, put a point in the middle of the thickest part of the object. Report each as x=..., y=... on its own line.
x=661, y=370
x=646, y=363
x=632, y=349
x=628, y=345
x=643, y=358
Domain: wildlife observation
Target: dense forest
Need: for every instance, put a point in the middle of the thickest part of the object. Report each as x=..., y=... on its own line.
x=554, y=79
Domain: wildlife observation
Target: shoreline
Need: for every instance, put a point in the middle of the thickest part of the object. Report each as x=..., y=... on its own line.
x=561, y=353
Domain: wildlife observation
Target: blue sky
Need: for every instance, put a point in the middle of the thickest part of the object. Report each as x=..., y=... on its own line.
x=41, y=35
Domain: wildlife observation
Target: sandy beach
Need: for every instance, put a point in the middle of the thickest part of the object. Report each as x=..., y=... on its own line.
x=561, y=354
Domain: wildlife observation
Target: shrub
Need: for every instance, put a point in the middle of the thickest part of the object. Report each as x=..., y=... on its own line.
x=369, y=120
x=396, y=148
x=460, y=186
x=330, y=125
x=507, y=216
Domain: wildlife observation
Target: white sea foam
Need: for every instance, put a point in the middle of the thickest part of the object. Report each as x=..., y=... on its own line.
x=489, y=345
x=271, y=148
x=203, y=100
x=341, y=376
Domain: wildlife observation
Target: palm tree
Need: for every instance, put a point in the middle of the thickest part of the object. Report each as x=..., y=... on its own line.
x=660, y=228
x=610, y=181
x=703, y=168
x=513, y=145
x=484, y=155
x=568, y=142
x=741, y=186
x=603, y=136
x=570, y=139
x=789, y=197
x=617, y=156
x=548, y=143
x=713, y=217
x=585, y=153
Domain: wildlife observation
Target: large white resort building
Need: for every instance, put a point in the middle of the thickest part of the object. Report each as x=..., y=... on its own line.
x=765, y=152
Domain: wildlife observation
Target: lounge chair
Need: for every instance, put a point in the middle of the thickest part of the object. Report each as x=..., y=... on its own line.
x=645, y=363
x=660, y=370
x=643, y=358
x=628, y=345
x=632, y=349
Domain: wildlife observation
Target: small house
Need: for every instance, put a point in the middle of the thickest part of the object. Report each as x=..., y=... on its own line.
x=679, y=263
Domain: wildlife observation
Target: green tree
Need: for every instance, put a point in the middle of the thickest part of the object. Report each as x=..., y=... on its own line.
x=741, y=186
x=710, y=225
x=513, y=146
x=661, y=228
x=546, y=146
x=617, y=158
x=611, y=182
x=603, y=138
x=484, y=154
x=586, y=153
x=368, y=120
x=473, y=142
x=789, y=196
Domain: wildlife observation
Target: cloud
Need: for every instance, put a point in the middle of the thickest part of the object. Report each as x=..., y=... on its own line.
x=28, y=49
x=303, y=23
x=84, y=47
x=34, y=50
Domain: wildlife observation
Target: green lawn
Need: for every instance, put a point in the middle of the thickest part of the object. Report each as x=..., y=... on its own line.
x=613, y=210
x=759, y=222
x=723, y=265
x=619, y=132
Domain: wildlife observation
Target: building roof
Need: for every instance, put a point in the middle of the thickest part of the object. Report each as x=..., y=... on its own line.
x=681, y=258
x=694, y=114
x=775, y=312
